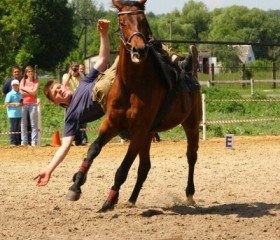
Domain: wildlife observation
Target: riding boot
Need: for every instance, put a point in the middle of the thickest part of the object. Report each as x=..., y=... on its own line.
x=194, y=53
x=189, y=64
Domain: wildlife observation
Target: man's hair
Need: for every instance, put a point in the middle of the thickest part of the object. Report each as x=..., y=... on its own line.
x=15, y=68
x=47, y=88
x=46, y=92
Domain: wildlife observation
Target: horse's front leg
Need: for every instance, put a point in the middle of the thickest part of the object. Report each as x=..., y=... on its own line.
x=122, y=171
x=143, y=169
x=79, y=178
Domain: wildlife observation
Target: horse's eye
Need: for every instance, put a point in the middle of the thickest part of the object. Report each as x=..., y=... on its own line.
x=122, y=24
x=145, y=21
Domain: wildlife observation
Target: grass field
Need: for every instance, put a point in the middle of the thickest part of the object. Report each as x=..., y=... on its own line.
x=52, y=116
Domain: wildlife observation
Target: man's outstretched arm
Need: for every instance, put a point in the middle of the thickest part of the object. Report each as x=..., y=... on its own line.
x=104, y=50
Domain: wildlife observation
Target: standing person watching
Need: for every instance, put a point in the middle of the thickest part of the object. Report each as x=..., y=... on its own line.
x=84, y=125
x=16, y=75
x=82, y=69
x=28, y=88
x=13, y=102
x=73, y=77
x=7, y=87
x=72, y=80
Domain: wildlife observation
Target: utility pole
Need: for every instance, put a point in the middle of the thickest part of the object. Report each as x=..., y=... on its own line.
x=85, y=21
x=170, y=30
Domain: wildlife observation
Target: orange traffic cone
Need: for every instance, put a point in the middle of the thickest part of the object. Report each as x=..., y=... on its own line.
x=56, y=139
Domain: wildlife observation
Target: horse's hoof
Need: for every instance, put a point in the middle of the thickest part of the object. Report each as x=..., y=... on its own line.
x=130, y=204
x=73, y=196
x=107, y=206
x=111, y=201
x=190, y=201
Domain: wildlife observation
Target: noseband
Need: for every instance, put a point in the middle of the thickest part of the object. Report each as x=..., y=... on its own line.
x=127, y=43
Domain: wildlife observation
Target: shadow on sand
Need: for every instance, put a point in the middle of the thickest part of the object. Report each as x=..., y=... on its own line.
x=242, y=210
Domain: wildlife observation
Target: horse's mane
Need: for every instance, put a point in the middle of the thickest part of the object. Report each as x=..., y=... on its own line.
x=134, y=3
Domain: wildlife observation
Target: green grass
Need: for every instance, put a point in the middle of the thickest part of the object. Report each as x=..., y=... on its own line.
x=52, y=116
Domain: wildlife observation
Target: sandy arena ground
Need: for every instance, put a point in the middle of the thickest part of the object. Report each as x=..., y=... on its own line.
x=237, y=194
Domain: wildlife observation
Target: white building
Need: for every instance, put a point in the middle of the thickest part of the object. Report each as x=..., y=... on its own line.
x=245, y=53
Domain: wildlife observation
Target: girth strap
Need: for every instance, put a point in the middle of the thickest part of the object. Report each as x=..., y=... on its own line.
x=165, y=107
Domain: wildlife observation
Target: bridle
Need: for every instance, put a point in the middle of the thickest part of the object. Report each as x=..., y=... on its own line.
x=127, y=43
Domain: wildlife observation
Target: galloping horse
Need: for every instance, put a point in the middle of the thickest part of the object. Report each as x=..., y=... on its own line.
x=134, y=103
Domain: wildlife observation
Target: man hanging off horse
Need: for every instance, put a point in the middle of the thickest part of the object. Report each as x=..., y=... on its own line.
x=88, y=102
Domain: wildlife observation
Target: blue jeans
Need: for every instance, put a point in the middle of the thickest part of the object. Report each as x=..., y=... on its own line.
x=31, y=110
x=15, y=131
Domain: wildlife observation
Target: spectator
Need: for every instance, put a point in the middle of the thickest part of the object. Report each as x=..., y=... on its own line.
x=13, y=102
x=72, y=80
x=73, y=77
x=82, y=69
x=84, y=125
x=7, y=87
x=28, y=88
x=16, y=75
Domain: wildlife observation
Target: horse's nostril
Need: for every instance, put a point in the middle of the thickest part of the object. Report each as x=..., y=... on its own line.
x=138, y=50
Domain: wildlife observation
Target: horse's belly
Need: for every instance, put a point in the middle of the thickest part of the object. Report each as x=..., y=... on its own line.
x=178, y=113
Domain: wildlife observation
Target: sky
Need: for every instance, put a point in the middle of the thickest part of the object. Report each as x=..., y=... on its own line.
x=166, y=6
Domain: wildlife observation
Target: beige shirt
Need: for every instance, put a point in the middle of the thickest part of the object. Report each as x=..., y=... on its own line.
x=73, y=82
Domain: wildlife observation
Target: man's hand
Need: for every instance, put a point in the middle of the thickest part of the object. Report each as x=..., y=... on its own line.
x=103, y=25
x=43, y=178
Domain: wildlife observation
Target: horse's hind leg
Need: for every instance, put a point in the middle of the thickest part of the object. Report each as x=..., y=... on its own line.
x=191, y=127
x=192, y=148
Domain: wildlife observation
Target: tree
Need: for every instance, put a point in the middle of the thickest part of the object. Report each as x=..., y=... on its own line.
x=86, y=15
x=35, y=32
x=238, y=23
x=52, y=22
x=189, y=24
x=196, y=14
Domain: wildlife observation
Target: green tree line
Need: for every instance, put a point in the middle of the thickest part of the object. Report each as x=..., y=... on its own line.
x=55, y=32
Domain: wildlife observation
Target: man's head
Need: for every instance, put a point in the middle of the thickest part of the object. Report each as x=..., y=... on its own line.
x=16, y=72
x=75, y=69
x=57, y=93
x=82, y=68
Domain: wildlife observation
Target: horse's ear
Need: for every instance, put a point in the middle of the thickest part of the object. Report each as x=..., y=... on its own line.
x=143, y=1
x=118, y=4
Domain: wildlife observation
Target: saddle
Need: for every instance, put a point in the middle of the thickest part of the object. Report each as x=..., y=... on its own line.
x=173, y=76
x=177, y=81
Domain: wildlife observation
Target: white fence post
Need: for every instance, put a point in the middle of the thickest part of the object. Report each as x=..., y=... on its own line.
x=252, y=87
x=39, y=122
x=204, y=116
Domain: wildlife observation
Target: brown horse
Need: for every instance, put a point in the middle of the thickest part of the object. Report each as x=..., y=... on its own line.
x=135, y=103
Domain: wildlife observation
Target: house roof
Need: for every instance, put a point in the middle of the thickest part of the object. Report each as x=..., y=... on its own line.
x=244, y=52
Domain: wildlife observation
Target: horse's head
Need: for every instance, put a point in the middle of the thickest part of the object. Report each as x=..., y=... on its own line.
x=134, y=28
